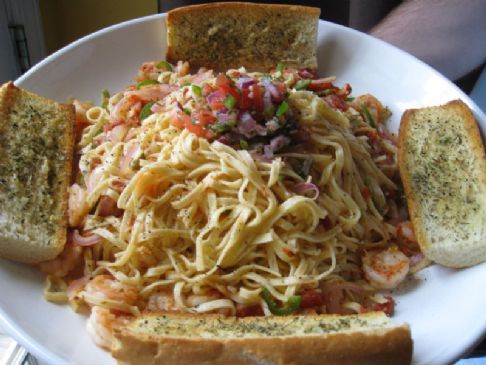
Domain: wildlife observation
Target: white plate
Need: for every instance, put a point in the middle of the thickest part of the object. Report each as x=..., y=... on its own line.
x=444, y=307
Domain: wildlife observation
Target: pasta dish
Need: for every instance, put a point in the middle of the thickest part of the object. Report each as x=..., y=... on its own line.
x=236, y=193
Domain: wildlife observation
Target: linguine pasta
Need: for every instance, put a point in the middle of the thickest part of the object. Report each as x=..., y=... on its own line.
x=179, y=205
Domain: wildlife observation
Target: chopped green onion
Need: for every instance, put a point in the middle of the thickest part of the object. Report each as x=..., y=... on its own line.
x=350, y=99
x=280, y=67
x=164, y=65
x=243, y=144
x=187, y=111
x=146, y=111
x=281, y=177
x=221, y=127
x=368, y=116
x=196, y=90
x=302, y=84
x=282, y=108
x=269, y=112
x=105, y=96
x=291, y=306
x=229, y=102
x=146, y=82
x=366, y=180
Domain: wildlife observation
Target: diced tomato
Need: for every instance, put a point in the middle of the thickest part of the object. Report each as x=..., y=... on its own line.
x=373, y=136
x=257, y=97
x=249, y=310
x=366, y=192
x=320, y=84
x=216, y=99
x=288, y=252
x=245, y=101
x=311, y=299
x=207, y=89
x=336, y=102
x=195, y=123
x=180, y=119
x=345, y=91
x=204, y=117
x=196, y=129
x=281, y=87
x=225, y=84
x=387, y=307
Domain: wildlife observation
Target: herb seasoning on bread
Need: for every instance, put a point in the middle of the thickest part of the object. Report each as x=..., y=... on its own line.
x=443, y=169
x=369, y=338
x=36, y=145
x=221, y=36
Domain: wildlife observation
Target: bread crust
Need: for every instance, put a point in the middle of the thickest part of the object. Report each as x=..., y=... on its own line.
x=18, y=248
x=197, y=34
x=390, y=345
x=450, y=253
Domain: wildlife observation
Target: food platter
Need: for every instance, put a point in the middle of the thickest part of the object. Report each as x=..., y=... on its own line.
x=443, y=306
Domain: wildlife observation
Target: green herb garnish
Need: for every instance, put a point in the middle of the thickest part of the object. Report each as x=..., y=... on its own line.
x=280, y=67
x=229, y=102
x=146, y=82
x=243, y=144
x=302, y=84
x=196, y=90
x=368, y=116
x=269, y=112
x=146, y=111
x=291, y=306
x=105, y=96
x=282, y=108
x=366, y=181
x=222, y=127
x=164, y=65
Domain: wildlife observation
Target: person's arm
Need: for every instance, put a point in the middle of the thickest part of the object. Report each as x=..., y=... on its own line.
x=449, y=35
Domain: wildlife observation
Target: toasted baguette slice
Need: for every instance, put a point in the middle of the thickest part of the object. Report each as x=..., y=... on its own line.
x=173, y=339
x=229, y=35
x=36, y=146
x=443, y=169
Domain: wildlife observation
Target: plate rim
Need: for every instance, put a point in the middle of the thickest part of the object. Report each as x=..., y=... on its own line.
x=46, y=355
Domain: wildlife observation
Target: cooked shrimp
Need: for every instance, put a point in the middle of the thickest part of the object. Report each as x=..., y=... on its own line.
x=385, y=269
x=406, y=238
x=182, y=68
x=373, y=105
x=162, y=301
x=77, y=205
x=107, y=287
x=194, y=300
x=64, y=263
x=100, y=326
x=146, y=258
x=133, y=99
